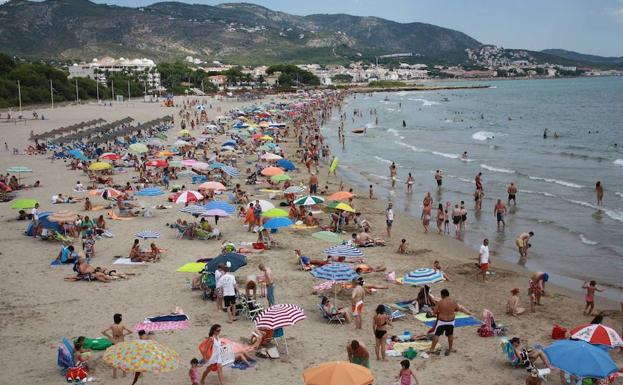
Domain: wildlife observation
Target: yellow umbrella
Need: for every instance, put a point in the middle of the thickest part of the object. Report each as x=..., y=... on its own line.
x=266, y=137
x=340, y=206
x=338, y=373
x=99, y=166
x=184, y=133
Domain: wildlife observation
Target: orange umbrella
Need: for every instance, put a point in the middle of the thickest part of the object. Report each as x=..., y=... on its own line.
x=338, y=373
x=340, y=196
x=166, y=153
x=212, y=186
x=272, y=171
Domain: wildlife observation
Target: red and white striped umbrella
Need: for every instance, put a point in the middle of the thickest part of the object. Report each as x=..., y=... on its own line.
x=189, y=196
x=110, y=156
x=157, y=163
x=597, y=334
x=280, y=315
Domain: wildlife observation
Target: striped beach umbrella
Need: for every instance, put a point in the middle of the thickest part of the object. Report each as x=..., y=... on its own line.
x=215, y=213
x=150, y=192
x=221, y=206
x=597, y=334
x=294, y=190
x=275, y=223
x=145, y=234
x=309, y=200
x=344, y=251
x=189, y=196
x=424, y=276
x=279, y=316
x=229, y=170
x=335, y=272
x=194, y=209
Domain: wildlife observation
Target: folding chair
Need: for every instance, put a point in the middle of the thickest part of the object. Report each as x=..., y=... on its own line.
x=250, y=308
x=331, y=317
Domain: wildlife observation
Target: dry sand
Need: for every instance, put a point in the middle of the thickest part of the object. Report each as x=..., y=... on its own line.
x=38, y=307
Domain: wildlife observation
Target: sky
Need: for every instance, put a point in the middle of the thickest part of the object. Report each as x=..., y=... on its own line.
x=586, y=26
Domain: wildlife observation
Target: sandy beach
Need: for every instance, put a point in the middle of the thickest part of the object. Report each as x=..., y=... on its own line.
x=39, y=308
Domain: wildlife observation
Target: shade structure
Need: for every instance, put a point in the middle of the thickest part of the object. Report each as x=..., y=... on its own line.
x=270, y=156
x=327, y=236
x=344, y=251
x=335, y=272
x=100, y=166
x=580, y=359
x=229, y=142
x=294, y=190
x=19, y=170
x=63, y=216
x=189, y=196
x=280, y=178
x=340, y=196
x=110, y=156
x=150, y=192
x=139, y=148
x=220, y=205
x=275, y=223
x=266, y=137
x=597, y=334
x=146, y=234
x=141, y=356
x=286, y=164
x=335, y=205
x=272, y=171
x=215, y=213
x=308, y=200
x=200, y=166
x=424, y=276
x=275, y=213
x=194, y=209
x=213, y=186
x=279, y=316
x=338, y=373
x=23, y=204
x=235, y=260
x=157, y=163
x=184, y=133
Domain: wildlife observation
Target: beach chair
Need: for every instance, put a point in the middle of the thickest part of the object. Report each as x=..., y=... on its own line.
x=208, y=282
x=511, y=356
x=331, y=317
x=250, y=308
x=394, y=314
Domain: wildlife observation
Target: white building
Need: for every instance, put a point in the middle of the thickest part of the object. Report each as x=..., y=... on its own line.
x=98, y=68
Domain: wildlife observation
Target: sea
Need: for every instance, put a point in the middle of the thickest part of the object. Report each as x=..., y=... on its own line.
x=501, y=129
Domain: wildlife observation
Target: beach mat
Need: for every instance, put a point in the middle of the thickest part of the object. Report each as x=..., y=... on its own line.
x=417, y=345
x=127, y=261
x=161, y=326
x=191, y=267
x=461, y=320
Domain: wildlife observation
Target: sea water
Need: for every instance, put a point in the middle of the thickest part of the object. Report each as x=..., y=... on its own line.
x=501, y=129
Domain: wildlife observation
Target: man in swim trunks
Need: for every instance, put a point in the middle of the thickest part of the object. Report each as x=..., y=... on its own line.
x=522, y=245
x=512, y=193
x=446, y=312
x=438, y=178
x=478, y=181
x=357, y=301
x=500, y=211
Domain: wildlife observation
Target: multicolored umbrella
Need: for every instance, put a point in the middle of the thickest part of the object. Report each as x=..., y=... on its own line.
x=211, y=185
x=580, y=359
x=340, y=206
x=229, y=170
x=276, y=223
x=279, y=316
x=22, y=204
x=63, y=216
x=272, y=171
x=344, y=251
x=189, y=196
x=338, y=373
x=309, y=200
x=327, y=236
x=194, y=209
x=275, y=213
x=139, y=148
x=335, y=272
x=145, y=234
x=141, y=356
x=100, y=166
x=424, y=276
x=597, y=334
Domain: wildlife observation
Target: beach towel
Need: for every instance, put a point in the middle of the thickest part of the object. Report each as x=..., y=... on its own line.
x=127, y=261
x=168, y=318
x=161, y=326
x=96, y=343
x=97, y=208
x=461, y=320
x=302, y=227
x=242, y=366
x=191, y=267
x=417, y=345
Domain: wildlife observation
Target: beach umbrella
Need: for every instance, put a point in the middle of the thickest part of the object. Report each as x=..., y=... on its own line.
x=279, y=316
x=275, y=223
x=280, y=178
x=274, y=213
x=110, y=156
x=308, y=200
x=189, y=196
x=141, y=356
x=99, y=166
x=166, y=153
x=187, y=173
x=266, y=205
x=286, y=164
x=597, y=334
x=256, y=136
x=145, y=234
x=580, y=359
x=194, y=209
x=22, y=204
x=272, y=171
x=189, y=162
x=181, y=143
x=335, y=205
x=63, y=216
x=156, y=163
x=157, y=142
x=192, y=267
x=294, y=190
x=184, y=133
x=327, y=236
x=264, y=124
x=229, y=170
x=221, y=206
x=344, y=251
x=200, y=166
x=338, y=373
x=340, y=196
x=138, y=148
x=150, y=192
x=266, y=137
x=335, y=272
x=215, y=213
x=235, y=260
x=229, y=142
x=76, y=153
x=211, y=185
x=270, y=156
x=424, y=276
x=19, y=170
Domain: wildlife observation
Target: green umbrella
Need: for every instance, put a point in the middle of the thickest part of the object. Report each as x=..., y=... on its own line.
x=176, y=164
x=275, y=213
x=308, y=200
x=139, y=148
x=161, y=136
x=327, y=236
x=280, y=178
x=22, y=204
x=19, y=170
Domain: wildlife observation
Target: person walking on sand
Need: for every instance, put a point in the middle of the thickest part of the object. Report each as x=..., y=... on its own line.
x=270, y=283
x=599, y=190
x=591, y=288
x=228, y=284
x=380, y=322
x=389, y=219
x=536, y=288
x=483, y=259
x=211, y=351
x=117, y=334
x=523, y=244
x=445, y=311
x=512, y=193
x=406, y=374
x=499, y=211
x=357, y=301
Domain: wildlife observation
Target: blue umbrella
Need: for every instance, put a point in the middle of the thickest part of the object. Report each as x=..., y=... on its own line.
x=275, y=223
x=335, y=272
x=150, y=192
x=147, y=234
x=194, y=209
x=235, y=260
x=76, y=153
x=229, y=142
x=220, y=205
x=423, y=276
x=580, y=359
x=286, y=164
x=231, y=171
x=344, y=251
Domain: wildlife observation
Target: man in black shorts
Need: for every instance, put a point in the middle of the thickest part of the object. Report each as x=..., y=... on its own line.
x=512, y=194
x=446, y=312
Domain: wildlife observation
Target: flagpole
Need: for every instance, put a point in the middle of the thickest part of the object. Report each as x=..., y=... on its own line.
x=19, y=95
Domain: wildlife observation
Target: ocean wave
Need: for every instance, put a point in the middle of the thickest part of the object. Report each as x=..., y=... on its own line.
x=614, y=214
x=412, y=148
x=391, y=109
x=619, y=194
x=382, y=159
x=587, y=241
x=460, y=178
x=618, y=162
x=497, y=169
x=448, y=120
x=424, y=102
x=585, y=204
x=557, y=181
x=401, y=93
x=370, y=125
x=394, y=132
x=483, y=135
x=445, y=155
x=581, y=156
x=537, y=193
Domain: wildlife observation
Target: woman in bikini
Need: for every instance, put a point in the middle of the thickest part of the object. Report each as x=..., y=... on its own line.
x=379, y=326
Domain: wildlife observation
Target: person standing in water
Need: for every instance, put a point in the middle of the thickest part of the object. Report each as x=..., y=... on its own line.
x=512, y=193
x=410, y=181
x=438, y=179
x=599, y=190
x=392, y=174
x=499, y=211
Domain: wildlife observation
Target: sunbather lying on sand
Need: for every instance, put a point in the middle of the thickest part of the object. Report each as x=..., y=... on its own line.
x=98, y=273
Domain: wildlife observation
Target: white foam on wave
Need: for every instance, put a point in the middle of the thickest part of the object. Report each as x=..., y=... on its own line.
x=461, y=179
x=587, y=241
x=416, y=149
x=537, y=193
x=483, y=135
x=619, y=162
x=619, y=194
x=391, y=109
x=448, y=120
x=394, y=132
x=401, y=93
x=382, y=159
x=370, y=125
x=412, y=148
x=445, y=155
x=425, y=103
x=497, y=169
x=557, y=181
x=614, y=214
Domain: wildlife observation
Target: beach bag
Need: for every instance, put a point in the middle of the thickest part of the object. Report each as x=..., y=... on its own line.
x=410, y=353
x=77, y=373
x=205, y=348
x=558, y=332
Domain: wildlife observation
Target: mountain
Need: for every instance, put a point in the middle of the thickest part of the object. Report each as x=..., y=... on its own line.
x=241, y=33
x=580, y=57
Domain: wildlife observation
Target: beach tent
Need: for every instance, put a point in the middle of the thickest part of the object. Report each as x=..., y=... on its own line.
x=45, y=223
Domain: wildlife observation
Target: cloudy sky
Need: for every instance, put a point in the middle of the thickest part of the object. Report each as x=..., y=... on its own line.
x=587, y=26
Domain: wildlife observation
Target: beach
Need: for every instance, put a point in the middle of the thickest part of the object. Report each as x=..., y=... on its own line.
x=39, y=307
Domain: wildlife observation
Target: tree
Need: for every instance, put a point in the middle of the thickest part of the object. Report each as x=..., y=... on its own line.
x=342, y=78
x=293, y=75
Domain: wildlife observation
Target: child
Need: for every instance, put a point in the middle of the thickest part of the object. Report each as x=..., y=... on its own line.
x=591, y=288
x=88, y=245
x=193, y=373
x=117, y=334
x=402, y=248
x=371, y=193
x=406, y=374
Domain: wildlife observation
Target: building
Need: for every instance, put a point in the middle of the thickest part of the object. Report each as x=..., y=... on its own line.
x=143, y=69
